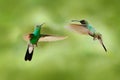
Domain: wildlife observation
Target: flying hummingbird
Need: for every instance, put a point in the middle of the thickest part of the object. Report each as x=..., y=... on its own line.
x=35, y=37
x=85, y=28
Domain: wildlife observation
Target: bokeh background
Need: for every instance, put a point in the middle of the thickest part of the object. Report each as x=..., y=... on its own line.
x=76, y=58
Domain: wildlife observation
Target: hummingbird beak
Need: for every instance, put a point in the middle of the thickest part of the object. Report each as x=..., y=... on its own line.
x=75, y=21
x=42, y=24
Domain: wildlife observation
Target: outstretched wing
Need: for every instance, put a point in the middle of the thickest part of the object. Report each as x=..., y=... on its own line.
x=80, y=29
x=101, y=42
x=47, y=38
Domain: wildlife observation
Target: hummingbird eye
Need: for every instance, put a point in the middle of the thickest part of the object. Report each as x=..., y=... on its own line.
x=83, y=22
x=38, y=26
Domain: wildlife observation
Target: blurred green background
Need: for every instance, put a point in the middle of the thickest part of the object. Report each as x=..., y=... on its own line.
x=76, y=58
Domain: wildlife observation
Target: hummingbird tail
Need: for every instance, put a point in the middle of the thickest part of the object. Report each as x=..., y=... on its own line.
x=102, y=44
x=104, y=47
x=29, y=53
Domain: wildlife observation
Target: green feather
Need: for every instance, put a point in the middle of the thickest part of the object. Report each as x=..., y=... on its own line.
x=91, y=28
x=36, y=35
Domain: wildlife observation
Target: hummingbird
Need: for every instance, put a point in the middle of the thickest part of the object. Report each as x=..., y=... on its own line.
x=85, y=28
x=35, y=37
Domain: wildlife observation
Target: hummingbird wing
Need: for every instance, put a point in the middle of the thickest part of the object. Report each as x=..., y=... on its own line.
x=29, y=52
x=49, y=38
x=80, y=29
x=101, y=42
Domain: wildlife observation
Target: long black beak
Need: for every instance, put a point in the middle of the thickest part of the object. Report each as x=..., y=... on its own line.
x=75, y=21
x=42, y=24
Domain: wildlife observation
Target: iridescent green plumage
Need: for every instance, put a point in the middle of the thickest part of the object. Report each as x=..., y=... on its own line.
x=36, y=37
x=91, y=28
x=33, y=39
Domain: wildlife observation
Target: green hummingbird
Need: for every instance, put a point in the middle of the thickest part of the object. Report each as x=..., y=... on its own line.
x=85, y=28
x=35, y=37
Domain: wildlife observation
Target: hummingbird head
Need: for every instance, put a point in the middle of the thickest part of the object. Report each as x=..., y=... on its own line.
x=37, y=29
x=83, y=22
x=39, y=26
